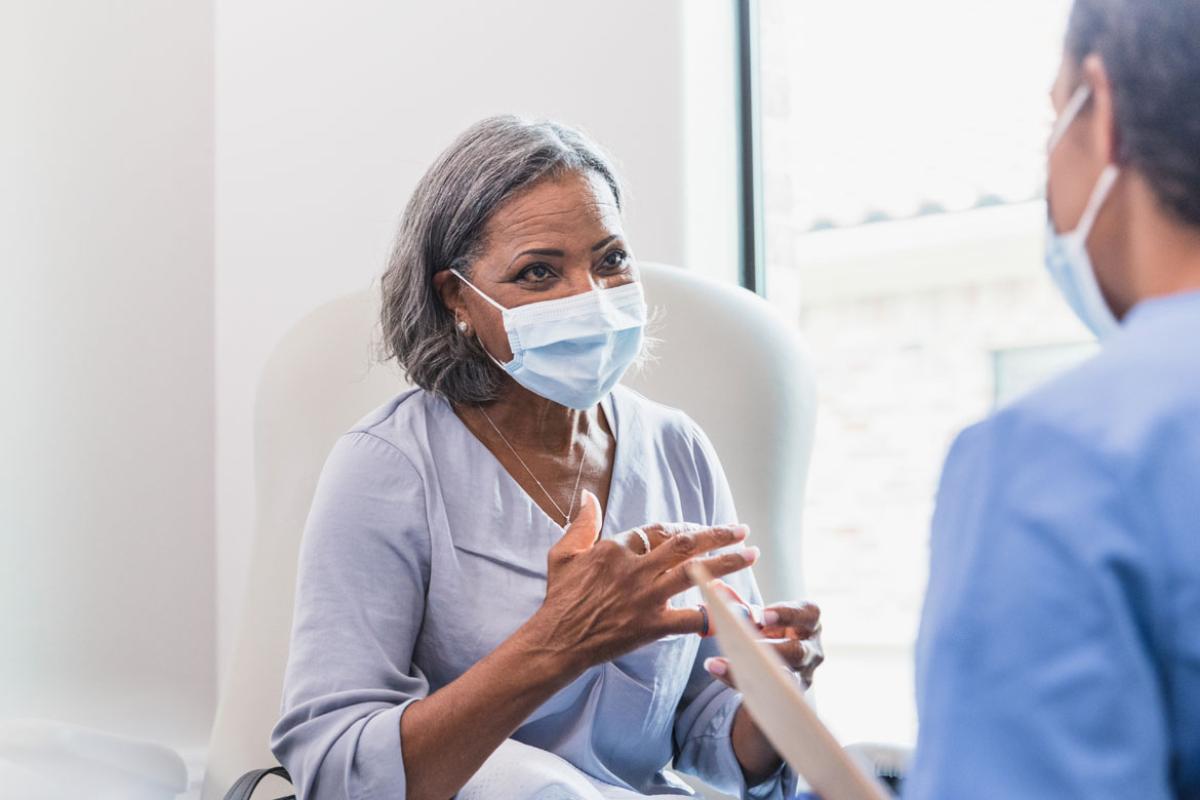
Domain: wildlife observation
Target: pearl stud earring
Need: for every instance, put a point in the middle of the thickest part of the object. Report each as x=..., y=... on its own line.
x=462, y=326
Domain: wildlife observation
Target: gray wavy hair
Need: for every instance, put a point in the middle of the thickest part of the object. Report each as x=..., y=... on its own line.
x=443, y=226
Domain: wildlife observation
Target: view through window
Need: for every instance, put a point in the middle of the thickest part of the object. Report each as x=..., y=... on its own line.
x=903, y=169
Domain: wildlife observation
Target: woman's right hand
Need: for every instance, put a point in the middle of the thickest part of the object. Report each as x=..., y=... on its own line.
x=606, y=598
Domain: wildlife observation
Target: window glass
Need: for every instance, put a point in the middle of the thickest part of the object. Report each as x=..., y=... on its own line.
x=903, y=169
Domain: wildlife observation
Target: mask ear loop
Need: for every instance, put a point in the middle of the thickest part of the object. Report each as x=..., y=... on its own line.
x=1103, y=187
x=1107, y=178
x=479, y=292
x=1069, y=113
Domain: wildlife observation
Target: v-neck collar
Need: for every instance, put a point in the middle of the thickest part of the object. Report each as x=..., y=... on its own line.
x=613, y=416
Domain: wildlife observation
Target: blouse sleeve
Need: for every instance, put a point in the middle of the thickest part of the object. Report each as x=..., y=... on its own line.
x=704, y=718
x=363, y=569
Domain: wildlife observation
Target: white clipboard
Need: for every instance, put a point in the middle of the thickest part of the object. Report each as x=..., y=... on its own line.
x=776, y=702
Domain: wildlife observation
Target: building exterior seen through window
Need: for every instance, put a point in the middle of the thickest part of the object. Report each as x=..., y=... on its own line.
x=903, y=174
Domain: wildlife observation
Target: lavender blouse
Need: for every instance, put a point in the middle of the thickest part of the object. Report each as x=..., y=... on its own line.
x=421, y=554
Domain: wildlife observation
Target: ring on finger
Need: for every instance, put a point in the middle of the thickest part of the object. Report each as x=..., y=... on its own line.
x=641, y=534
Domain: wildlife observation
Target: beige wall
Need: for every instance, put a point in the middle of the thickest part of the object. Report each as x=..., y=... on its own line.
x=327, y=115
x=186, y=181
x=106, y=362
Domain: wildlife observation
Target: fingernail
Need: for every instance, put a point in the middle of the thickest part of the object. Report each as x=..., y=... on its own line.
x=770, y=617
x=750, y=554
x=741, y=532
x=715, y=665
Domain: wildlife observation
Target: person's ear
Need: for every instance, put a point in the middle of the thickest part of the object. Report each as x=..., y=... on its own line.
x=449, y=289
x=1102, y=123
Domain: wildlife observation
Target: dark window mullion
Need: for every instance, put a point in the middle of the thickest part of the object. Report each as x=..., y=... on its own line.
x=749, y=143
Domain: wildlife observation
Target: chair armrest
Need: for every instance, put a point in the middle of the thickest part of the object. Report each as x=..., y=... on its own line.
x=244, y=787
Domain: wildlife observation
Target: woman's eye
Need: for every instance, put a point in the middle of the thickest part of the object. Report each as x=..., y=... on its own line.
x=535, y=273
x=614, y=259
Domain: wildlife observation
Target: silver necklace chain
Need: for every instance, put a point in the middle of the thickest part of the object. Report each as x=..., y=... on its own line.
x=550, y=497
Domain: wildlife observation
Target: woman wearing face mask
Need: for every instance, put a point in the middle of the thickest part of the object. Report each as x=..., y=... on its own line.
x=485, y=600
x=1059, y=654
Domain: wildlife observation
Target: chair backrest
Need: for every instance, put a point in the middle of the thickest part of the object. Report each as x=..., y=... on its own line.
x=725, y=357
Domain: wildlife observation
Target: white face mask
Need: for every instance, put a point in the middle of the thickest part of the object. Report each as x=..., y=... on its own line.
x=573, y=350
x=1067, y=257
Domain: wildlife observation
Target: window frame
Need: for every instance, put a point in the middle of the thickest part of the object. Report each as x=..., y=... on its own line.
x=751, y=233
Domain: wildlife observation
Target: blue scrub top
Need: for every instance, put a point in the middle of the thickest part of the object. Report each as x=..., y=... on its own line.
x=421, y=555
x=1059, y=652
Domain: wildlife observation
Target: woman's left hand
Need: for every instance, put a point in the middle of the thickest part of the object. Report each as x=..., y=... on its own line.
x=793, y=629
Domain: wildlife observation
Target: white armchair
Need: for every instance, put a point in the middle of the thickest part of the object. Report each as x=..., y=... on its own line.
x=726, y=358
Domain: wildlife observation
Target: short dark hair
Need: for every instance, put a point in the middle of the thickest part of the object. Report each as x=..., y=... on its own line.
x=444, y=225
x=1151, y=50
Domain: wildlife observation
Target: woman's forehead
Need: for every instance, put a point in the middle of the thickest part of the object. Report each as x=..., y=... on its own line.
x=560, y=208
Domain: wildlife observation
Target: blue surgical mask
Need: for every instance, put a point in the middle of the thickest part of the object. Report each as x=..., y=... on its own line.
x=1067, y=257
x=573, y=350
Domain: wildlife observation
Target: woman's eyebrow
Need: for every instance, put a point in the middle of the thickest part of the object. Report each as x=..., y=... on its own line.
x=539, y=252
x=560, y=253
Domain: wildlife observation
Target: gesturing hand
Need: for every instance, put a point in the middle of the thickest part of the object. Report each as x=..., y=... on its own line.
x=606, y=598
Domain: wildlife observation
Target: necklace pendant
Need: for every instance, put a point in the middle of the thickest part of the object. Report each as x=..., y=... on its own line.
x=578, y=473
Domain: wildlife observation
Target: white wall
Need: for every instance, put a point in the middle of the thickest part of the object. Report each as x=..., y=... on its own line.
x=328, y=113
x=183, y=183
x=710, y=140
x=106, y=358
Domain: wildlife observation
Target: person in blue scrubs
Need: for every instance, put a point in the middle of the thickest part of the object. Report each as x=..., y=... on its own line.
x=1059, y=651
